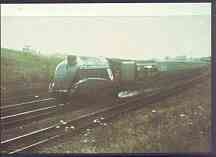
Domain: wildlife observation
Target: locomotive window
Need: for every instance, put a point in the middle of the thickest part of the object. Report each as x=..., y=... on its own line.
x=88, y=73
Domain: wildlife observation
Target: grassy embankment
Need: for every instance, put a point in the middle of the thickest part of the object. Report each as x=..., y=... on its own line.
x=18, y=67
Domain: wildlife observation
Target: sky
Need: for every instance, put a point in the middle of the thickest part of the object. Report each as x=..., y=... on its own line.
x=130, y=31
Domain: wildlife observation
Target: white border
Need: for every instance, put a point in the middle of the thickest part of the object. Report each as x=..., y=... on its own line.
x=106, y=9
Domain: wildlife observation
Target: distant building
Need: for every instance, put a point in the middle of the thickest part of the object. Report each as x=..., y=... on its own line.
x=29, y=49
x=26, y=49
x=180, y=58
x=206, y=59
x=167, y=58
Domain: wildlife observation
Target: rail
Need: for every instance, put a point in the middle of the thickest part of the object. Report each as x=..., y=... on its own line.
x=39, y=137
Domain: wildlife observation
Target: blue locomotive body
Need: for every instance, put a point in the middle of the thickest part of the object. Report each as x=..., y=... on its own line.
x=83, y=76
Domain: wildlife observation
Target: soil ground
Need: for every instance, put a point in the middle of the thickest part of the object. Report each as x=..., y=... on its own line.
x=179, y=123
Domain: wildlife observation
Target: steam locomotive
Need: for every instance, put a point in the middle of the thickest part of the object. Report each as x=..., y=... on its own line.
x=88, y=77
x=95, y=77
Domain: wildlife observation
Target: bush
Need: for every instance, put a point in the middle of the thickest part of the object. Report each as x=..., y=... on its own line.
x=17, y=66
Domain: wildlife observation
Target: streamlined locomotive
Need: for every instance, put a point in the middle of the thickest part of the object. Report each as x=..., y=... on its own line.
x=88, y=77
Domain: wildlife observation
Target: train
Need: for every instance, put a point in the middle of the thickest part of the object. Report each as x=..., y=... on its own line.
x=84, y=76
x=91, y=77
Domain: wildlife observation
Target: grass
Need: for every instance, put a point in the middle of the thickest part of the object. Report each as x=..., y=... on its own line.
x=17, y=66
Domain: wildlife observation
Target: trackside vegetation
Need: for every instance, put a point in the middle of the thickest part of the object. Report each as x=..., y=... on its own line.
x=19, y=67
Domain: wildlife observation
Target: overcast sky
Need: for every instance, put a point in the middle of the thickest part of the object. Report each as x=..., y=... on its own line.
x=136, y=31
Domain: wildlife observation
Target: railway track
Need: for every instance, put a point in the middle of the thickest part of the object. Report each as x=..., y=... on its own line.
x=7, y=100
x=25, y=106
x=15, y=89
x=24, y=113
x=16, y=114
x=36, y=138
x=17, y=93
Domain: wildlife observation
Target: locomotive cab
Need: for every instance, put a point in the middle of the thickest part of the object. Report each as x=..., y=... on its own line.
x=88, y=77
